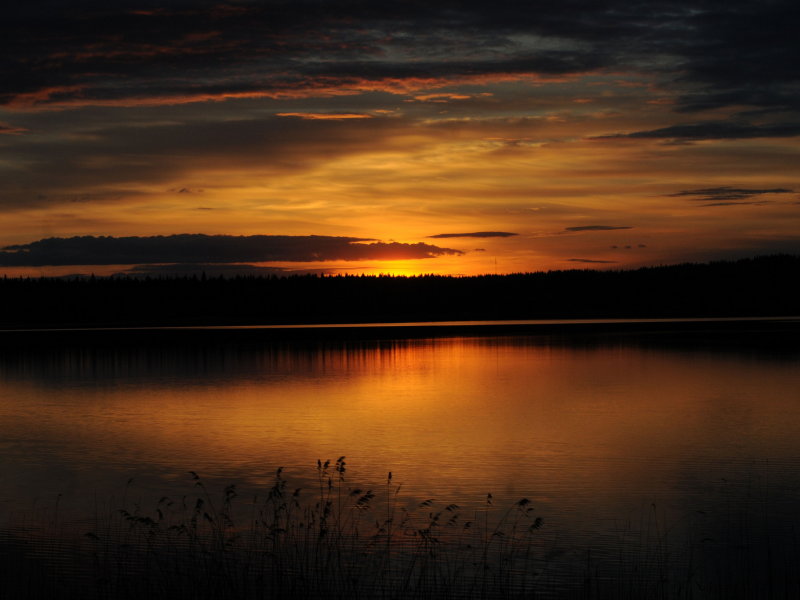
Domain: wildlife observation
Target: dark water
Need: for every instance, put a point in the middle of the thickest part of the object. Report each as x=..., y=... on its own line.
x=596, y=433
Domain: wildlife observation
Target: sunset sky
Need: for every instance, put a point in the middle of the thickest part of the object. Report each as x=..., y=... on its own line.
x=396, y=137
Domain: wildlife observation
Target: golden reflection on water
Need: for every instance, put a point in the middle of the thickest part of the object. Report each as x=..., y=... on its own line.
x=580, y=430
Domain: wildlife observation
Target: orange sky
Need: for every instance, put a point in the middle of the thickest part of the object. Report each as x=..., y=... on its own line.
x=641, y=156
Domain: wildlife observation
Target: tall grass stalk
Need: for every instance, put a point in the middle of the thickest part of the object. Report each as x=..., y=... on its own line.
x=345, y=543
x=335, y=545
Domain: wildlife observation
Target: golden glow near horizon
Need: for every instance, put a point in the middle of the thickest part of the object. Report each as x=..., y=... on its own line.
x=597, y=167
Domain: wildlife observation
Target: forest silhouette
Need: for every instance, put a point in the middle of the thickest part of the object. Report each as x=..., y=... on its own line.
x=757, y=287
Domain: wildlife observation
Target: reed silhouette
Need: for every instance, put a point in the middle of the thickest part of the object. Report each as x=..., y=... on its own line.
x=346, y=543
x=336, y=545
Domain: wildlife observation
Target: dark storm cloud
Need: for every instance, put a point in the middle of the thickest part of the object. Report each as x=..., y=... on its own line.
x=477, y=234
x=714, y=130
x=198, y=248
x=596, y=228
x=721, y=54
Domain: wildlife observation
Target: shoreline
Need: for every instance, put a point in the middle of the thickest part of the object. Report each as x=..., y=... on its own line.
x=779, y=330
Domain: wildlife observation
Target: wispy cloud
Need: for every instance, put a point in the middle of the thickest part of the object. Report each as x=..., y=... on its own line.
x=730, y=196
x=476, y=234
x=442, y=97
x=758, y=203
x=325, y=116
x=591, y=261
x=7, y=129
x=597, y=228
x=215, y=270
x=185, y=190
x=713, y=130
x=727, y=193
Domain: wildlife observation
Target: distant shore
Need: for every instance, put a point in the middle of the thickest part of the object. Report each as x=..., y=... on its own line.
x=542, y=302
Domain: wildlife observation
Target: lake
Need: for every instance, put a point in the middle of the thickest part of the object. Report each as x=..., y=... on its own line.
x=600, y=432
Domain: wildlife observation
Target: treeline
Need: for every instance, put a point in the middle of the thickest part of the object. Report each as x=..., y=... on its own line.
x=762, y=286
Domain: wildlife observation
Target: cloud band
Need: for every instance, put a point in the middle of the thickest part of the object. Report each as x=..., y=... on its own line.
x=199, y=248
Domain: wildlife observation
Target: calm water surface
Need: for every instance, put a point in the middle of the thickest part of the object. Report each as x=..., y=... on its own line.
x=591, y=432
